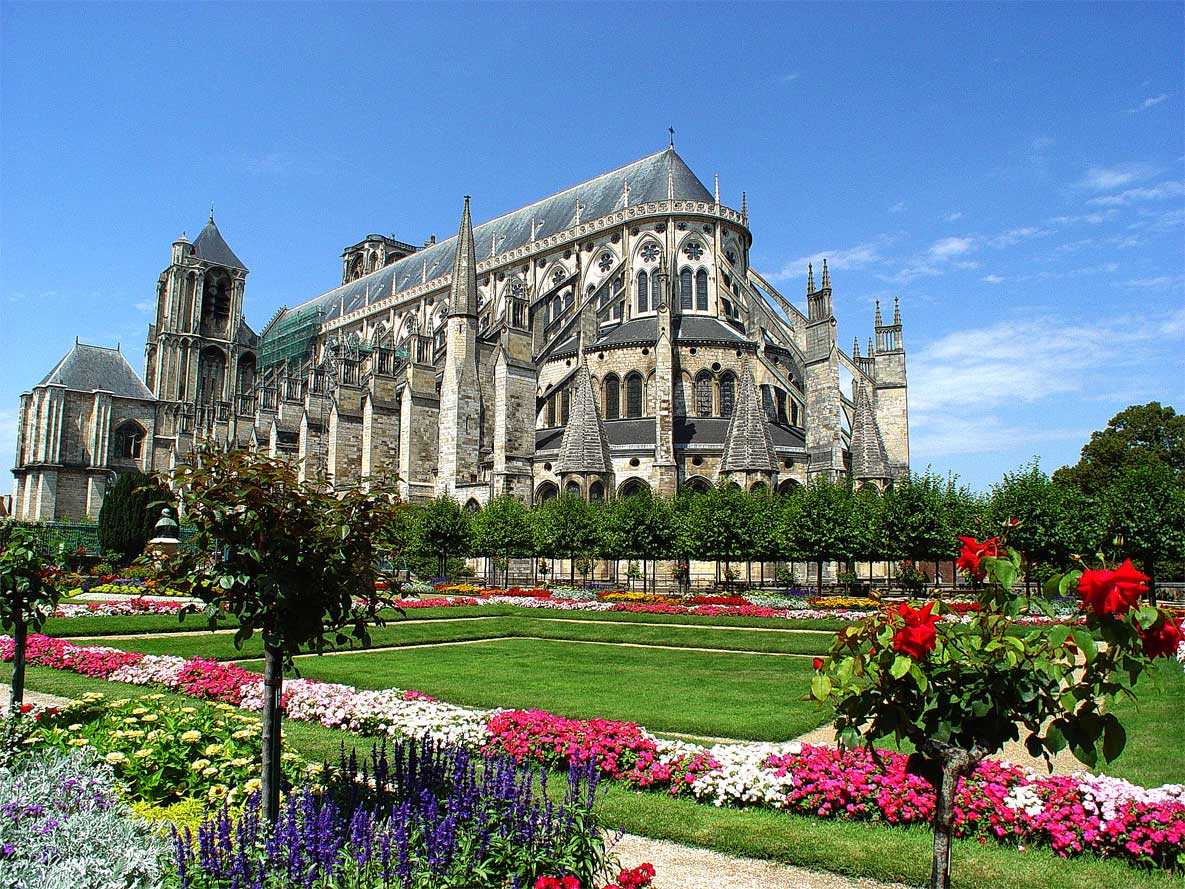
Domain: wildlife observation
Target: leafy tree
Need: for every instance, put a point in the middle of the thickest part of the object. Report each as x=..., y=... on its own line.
x=1145, y=509
x=959, y=691
x=868, y=541
x=443, y=529
x=130, y=512
x=718, y=524
x=566, y=527
x=823, y=528
x=1031, y=499
x=639, y=526
x=26, y=599
x=502, y=531
x=289, y=560
x=916, y=523
x=1140, y=434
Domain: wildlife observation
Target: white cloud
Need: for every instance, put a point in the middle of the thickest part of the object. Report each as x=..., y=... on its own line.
x=1159, y=281
x=145, y=306
x=791, y=77
x=992, y=279
x=898, y=207
x=1169, y=189
x=1016, y=235
x=1110, y=178
x=949, y=247
x=1150, y=102
x=953, y=217
x=838, y=259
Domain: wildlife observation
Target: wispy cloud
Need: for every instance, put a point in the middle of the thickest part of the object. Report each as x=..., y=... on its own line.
x=1169, y=189
x=898, y=207
x=992, y=279
x=790, y=77
x=950, y=247
x=954, y=216
x=838, y=259
x=1111, y=178
x=1150, y=102
x=145, y=306
x=1158, y=282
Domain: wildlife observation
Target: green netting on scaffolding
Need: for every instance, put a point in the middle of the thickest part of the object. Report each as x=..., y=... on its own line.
x=289, y=338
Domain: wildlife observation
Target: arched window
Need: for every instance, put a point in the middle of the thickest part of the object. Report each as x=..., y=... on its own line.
x=728, y=393
x=781, y=395
x=565, y=405
x=703, y=394
x=612, y=397
x=633, y=487
x=472, y=506
x=129, y=441
x=793, y=413
x=633, y=395
x=685, y=290
x=759, y=488
x=546, y=491
x=572, y=489
x=551, y=417
x=596, y=491
x=696, y=484
x=643, y=292
x=767, y=401
x=701, y=290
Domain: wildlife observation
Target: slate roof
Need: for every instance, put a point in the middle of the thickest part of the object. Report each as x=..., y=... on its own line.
x=869, y=458
x=748, y=446
x=211, y=247
x=584, y=447
x=87, y=368
x=598, y=197
x=685, y=328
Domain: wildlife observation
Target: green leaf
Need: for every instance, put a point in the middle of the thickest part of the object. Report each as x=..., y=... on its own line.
x=1085, y=643
x=901, y=665
x=1068, y=582
x=1054, y=739
x=1114, y=738
x=920, y=678
x=1147, y=616
x=226, y=581
x=820, y=687
x=1005, y=572
x=1058, y=636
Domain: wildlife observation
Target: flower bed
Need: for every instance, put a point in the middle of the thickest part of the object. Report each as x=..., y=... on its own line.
x=1083, y=813
x=117, y=608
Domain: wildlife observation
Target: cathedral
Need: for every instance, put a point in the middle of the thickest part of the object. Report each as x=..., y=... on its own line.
x=606, y=340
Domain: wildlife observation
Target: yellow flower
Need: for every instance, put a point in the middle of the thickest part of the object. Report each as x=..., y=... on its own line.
x=240, y=761
x=241, y=734
x=209, y=772
x=154, y=734
x=155, y=697
x=189, y=710
x=224, y=706
x=144, y=753
x=191, y=735
x=199, y=764
x=115, y=758
x=288, y=757
x=314, y=768
x=78, y=742
x=74, y=727
x=253, y=785
x=130, y=720
x=218, y=791
x=213, y=750
x=139, y=711
x=151, y=717
x=135, y=736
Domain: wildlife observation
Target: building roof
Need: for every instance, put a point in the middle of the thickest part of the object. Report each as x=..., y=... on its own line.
x=86, y=368
x=685, y=328
x=648, y=181
x=748, y=446
x=585, y=447
x=869, y=459
x=211, y=247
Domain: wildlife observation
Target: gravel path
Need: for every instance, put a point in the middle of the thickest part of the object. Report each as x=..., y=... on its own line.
x=31, y=697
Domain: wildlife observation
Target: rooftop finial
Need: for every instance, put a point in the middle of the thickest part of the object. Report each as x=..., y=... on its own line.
x=671, y=130
x=534, y=228
x=625, y=194
x=211, y=211
x=826, y=276
x=871, y=348
x=878, y=321
x=745, y=207
x=716, y=190
x=810, y=278
x=897, y=310
x=855, y=347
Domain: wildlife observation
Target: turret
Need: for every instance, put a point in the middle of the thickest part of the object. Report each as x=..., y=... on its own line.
x=891, y=402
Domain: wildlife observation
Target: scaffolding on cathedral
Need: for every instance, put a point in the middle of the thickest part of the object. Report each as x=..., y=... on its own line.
x=289, y=337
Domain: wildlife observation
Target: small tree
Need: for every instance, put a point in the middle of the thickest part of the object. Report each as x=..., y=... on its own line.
x=443, y=529
x=822, y=524
x=502, y=531
x=959, y=691
x=1145, y=509
x=566, y=527
x=291, y=561
x=638, y=526
x=130, y=512
x=26, y=600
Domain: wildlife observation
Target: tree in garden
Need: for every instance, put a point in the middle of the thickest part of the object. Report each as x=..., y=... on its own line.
x=566, y=527
x=502, y=531
x=638, y=526
x=822, y=528
x=868, y=542
x=1030, y=498
x=1145, y=514
x=1140, y=434
x=443, y=529
x=26, y=599
x=289, y=560
x=130, y=512
x=916, y=523
x=958, y=691
x=717, y=525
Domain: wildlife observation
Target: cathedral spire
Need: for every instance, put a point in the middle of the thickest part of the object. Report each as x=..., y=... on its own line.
x=463, y=289
x=871, y=348
x=826, y=275
x=211, y=211
x=855, y=347
x=877, y=318
x=810, y=278
x=748, y=446
x=897, y=311
x=585, y=446
x=869, y=458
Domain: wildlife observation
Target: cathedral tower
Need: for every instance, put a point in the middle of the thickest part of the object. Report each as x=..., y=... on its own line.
x=824, y=438
x=891, y=402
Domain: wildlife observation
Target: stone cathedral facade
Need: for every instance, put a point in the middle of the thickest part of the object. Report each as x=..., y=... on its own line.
x=608, y=339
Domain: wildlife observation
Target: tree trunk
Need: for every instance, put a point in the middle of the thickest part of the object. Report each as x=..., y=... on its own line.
x=949, y=764
x=20, y=636
x=273, y=684
x=819, y=591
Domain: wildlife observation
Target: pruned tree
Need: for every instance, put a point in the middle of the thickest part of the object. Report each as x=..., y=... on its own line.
x=130, y=512
x=26, y=600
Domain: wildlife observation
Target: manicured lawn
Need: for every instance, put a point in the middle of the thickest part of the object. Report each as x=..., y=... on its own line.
x=1155, y=723
x=717, y=695
x=856, y=850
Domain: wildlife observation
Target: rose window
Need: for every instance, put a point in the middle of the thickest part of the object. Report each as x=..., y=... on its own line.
x=693, y=250
x=557, y=276
x=650, y=253
x=606, y=262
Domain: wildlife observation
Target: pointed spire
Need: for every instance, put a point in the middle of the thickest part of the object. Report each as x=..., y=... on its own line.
x=897, y=311
x=212, y=212
x=855, y=347
x=826, y=275
x=744, y=208
x=748, y=446
x=871, y=348
x=878, y=320
x=585, y=446
x=463, y=289
x=716, y=189
x=869, y=457
x=810, y=278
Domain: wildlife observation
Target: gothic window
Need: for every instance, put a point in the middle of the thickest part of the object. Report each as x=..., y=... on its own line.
x=211, y=373
x=572, y=489
x=596, y=491
x=731, y=256
x=612, y=397
x=793, y=413
x=701, y=290
x=767, y=401
x=565, y=405
x=685, y=290
x=643, y=292
x=129, y=441
x=557, y=276
x=781, y=406
x=606, y=261
x=693, y=250
x=619, y=311
x=650, y=252
x=703, y=394
x=546, y=491
x=728, y=393
x=516, y=288
x=633, y=395
x=551, y=412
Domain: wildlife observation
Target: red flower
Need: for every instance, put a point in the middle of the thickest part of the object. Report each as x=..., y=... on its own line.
x=973, y=551
x=818, y=663
x=918, y=635
x=1164, y=638
x=1112, y=592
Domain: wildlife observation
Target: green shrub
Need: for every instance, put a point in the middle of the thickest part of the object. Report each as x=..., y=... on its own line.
x=129, y=514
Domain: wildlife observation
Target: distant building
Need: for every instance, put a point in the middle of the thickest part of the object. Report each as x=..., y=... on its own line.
x=604, y=340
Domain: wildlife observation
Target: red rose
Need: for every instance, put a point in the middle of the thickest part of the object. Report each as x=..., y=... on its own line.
x=818, y=663
x=973, y=551
x=918, y=635
x=1164, y=638
x=1112, y=592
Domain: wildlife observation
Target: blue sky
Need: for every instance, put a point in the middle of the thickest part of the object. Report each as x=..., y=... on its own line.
x=1014, y=173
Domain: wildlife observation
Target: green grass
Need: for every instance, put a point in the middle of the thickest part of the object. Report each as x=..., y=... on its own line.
x=719, y=695
x=1155, y=723
x=856, y=850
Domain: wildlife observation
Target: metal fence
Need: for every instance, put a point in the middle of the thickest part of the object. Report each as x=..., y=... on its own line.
x=81, y=535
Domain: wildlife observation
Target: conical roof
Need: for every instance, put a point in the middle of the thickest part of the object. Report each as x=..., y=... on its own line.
x=211, y=247
x=585, y=446
x=869, y=458
x=748, y=446
x=463, y=290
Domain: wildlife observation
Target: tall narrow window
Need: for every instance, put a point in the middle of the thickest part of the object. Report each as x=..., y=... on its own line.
x=685, y=290
x=767, y=400
x=643, y=292
x=633, y=395
x=701, y=290
x=728, y=393
x=781, y=405
x=612, y=398
x=703, y=395
x=565, y=406
x=551, y=412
